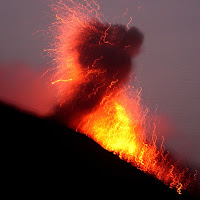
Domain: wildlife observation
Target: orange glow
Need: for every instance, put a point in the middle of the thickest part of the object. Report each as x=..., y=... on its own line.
x=124, y=133
x=119, y=123
x=61, y=80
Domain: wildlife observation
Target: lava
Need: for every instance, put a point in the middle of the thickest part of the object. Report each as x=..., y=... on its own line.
x=92, y=61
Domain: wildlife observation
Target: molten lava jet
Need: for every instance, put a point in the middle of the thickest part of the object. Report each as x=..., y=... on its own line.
x=92, y=60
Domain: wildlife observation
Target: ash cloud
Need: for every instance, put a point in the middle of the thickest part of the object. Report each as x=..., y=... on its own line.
x=106, y=50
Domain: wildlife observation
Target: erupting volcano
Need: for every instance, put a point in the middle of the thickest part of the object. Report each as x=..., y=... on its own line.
x=92, y=59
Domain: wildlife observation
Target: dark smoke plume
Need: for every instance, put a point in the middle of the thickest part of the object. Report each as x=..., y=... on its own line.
x=107, y=51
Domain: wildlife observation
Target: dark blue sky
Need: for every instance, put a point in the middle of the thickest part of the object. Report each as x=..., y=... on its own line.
x=168, y=68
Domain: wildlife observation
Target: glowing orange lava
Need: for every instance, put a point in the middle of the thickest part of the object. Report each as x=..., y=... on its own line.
x=119, y=124
x=122, y=132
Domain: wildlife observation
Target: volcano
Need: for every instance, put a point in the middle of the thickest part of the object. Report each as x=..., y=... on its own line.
x=41, y=155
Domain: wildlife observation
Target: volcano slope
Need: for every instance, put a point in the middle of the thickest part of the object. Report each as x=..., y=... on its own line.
x=41, y=156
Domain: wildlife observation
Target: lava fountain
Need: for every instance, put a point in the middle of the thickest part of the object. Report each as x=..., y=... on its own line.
x=92, y=65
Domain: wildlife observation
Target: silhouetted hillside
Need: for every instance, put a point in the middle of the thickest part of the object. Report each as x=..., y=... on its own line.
x=41, y=156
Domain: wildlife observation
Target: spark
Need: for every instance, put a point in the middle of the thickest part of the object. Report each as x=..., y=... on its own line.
x=96, y=60
x=60, y=80
x=129, y=23
x=125, y=13
x=103, y=38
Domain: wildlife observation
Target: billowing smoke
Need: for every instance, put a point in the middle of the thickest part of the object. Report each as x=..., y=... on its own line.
x=104, y=54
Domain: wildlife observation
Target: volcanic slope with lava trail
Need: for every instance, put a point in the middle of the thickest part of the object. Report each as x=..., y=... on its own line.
x=91, y=74
x=40, y=155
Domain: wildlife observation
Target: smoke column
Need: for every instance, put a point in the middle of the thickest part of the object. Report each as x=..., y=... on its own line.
x=106, y=51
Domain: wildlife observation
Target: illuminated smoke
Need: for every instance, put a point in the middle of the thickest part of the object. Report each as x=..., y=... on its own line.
x=104, y=54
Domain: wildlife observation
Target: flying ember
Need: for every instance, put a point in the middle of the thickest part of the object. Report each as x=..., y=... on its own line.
x=92, y=59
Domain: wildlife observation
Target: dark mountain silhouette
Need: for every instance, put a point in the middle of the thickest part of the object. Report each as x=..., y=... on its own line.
x=41, y=156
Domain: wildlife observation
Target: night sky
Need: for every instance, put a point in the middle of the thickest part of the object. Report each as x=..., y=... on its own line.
x=168, y=68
